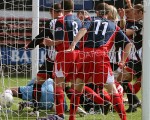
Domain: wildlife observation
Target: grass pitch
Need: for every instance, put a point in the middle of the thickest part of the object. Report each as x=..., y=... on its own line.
x=14, y=114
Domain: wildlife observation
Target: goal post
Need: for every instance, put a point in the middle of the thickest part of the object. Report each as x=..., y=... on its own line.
x=35, y=32
x=146, y=64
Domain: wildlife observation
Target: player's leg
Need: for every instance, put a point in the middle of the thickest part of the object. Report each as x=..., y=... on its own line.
x=115, y=97
x=137, y=85
x=75, y=98
x=59, y=96
x=133, y=100
x=45, y=72
x=103, y=70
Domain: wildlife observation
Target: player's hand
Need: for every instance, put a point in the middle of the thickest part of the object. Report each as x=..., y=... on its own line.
x=121, y=12
x=49, y=42
x=128, y=1
x=26, y=47
x=121, y=65
x=71, y=48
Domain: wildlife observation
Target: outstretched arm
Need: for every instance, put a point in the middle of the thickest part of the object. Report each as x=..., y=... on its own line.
x=125, y=55
x=46, y=32
x=129, y=4
x=50, y=42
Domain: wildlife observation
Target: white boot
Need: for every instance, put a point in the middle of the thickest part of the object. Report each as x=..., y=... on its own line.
x=81, y=112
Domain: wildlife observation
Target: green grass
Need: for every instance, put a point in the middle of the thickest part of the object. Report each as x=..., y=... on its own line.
x=15, y=115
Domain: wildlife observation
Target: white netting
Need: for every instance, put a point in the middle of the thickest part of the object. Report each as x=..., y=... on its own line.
x=15, y=61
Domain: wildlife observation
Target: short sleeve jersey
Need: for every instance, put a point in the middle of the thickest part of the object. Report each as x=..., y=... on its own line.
x=66, y=29
x=99, y=32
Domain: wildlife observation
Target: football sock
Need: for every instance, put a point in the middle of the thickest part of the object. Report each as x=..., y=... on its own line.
x=136, y=87
x=59, y=101
x=128, y=88
x=36, y=95
x=93, y=96
x=132, y=98
x=119, y=106
x=74, y=103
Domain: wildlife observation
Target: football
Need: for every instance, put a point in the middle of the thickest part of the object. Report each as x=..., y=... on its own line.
x=6, y=100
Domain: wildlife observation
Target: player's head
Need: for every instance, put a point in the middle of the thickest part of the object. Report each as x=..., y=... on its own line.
x=138, y=12
x=56, y=10
x=113, y=13
x=82, y=14
x=102, y=9
x=129, y=13
x=67, y=5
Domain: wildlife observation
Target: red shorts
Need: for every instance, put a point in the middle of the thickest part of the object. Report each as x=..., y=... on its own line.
x=65, y=64
x=93, y=63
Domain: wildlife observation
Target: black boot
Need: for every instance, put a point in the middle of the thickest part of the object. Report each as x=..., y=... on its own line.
x=36, y=95
x=132, y=98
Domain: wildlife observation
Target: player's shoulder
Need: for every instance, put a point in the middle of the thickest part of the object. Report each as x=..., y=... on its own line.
x=101, y=19
x=70, y=17
x=60, y=20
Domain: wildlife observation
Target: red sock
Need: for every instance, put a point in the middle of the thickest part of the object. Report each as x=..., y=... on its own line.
x=119, y=106
x=136, y=87
x=93, y=96
x=69, y=92
x=59, y=100
x=74, y=103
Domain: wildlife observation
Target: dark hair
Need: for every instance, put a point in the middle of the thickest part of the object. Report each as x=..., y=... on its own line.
x=67, y=5
x=102, y=8
x=56, y=7
x=139, y=7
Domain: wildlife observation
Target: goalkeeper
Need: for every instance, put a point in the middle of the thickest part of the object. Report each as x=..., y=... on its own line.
x=46, y=101
x=45, y=71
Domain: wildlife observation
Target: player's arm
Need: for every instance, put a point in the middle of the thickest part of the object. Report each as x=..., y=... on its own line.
x=129, y=4
x=58, y=35
x=50, y=42
x=126, y=53
x=40, y=37
x=123, y=42
x=129, y=32
x=132, y=29
x=80, y=34
x=122, y=22
x=77, y=38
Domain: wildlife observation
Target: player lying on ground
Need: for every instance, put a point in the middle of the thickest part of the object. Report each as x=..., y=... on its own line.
x=47, y=97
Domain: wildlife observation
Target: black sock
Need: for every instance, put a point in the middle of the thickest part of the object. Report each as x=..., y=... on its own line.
x=36, y=95
x=132, y=98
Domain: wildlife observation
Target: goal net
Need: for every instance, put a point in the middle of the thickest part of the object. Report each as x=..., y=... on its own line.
x=19, y=25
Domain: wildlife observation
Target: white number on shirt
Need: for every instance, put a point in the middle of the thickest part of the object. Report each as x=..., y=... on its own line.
x=98, y=26
x=75, y=28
